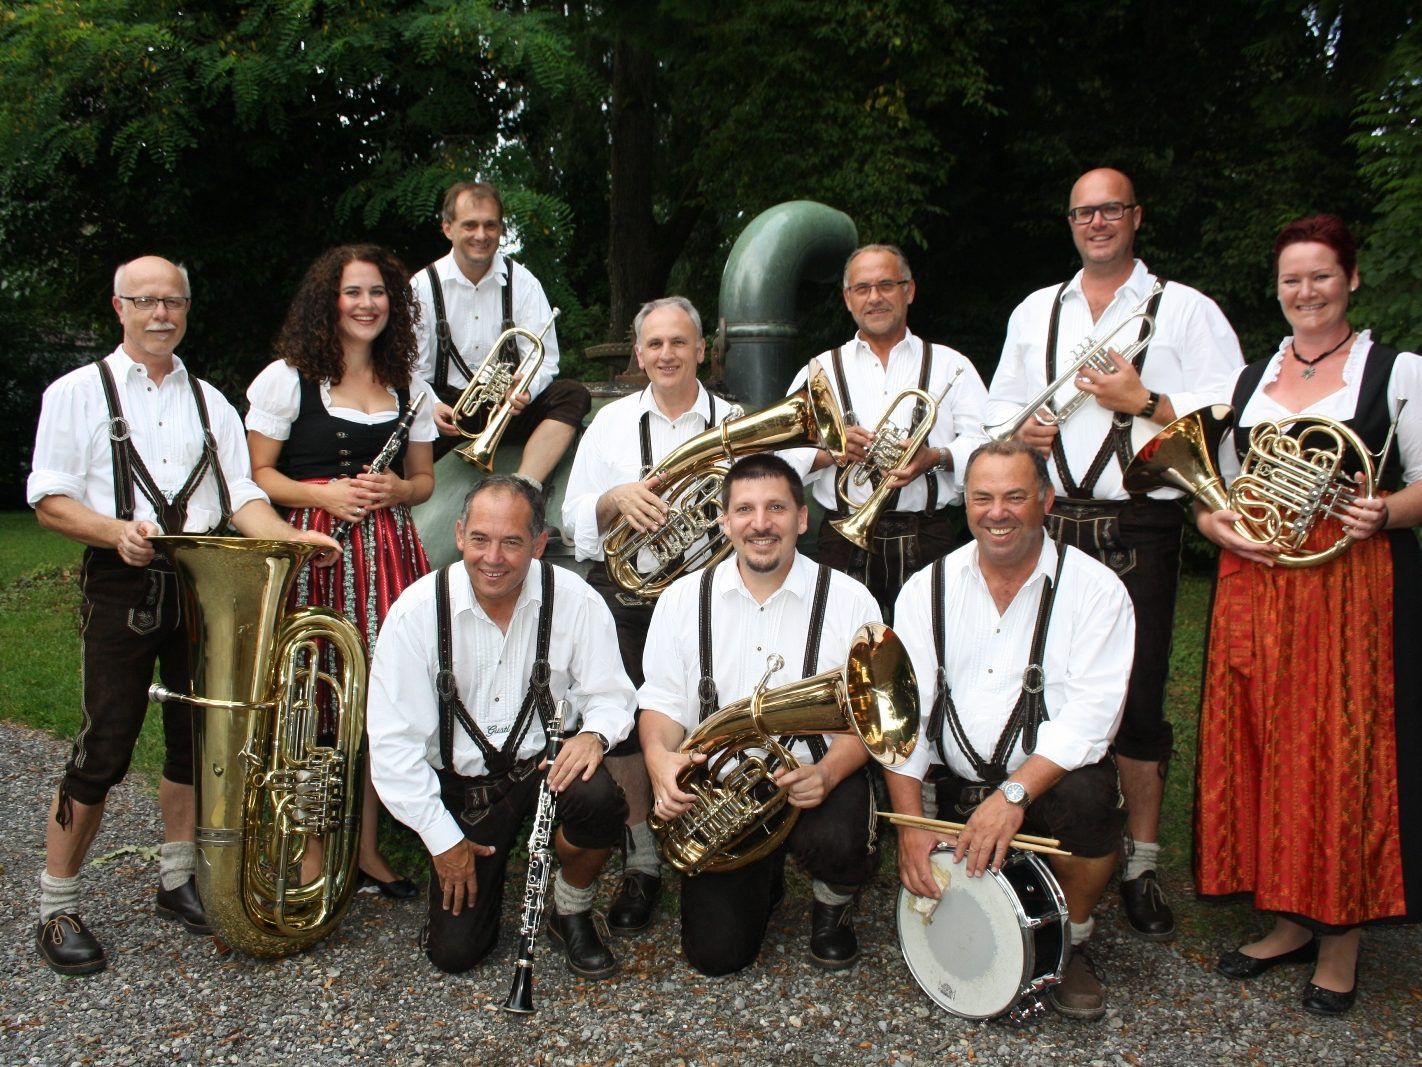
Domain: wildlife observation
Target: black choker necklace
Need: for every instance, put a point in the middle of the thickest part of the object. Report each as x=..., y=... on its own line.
x=1308, y=371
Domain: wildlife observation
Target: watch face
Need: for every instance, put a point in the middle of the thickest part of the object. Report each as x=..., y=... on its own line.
x=1015, y=792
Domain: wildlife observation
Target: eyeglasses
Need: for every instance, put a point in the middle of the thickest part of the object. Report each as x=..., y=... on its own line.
x=148, y=303
x=1112, y=212
x=883, y=288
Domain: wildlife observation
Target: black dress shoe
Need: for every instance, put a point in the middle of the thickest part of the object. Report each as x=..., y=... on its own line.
x=1147, y=913
x=833, y=946
x=635, y=904
x=1235, y=964
x=1320, y=1001
x=578, y=937
x=182, y=905
x=68, y=947
x=399, y=889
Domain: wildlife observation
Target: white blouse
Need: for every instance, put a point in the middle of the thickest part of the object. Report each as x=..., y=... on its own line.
x=275, y=399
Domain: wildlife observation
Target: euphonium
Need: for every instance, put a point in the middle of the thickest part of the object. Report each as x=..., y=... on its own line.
x=484, y=405
x=1295, y=473
x=744, y=816
x=267, y=787
x=690, y=476
x=890, y=448
x=1090, y=352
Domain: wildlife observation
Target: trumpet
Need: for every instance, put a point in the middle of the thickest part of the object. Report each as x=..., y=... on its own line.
x=485, y=405
x=892, y=445
x=1089, y=353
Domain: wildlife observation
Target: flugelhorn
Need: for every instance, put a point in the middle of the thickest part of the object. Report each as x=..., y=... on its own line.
x=1090, y=352
x=269, y=785
x=484, y=408
x=689, y=479
x=745, y=816
x=1295, y=472
x=891, y=447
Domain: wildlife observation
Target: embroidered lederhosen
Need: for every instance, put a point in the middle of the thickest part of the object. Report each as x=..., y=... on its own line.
x=500, y=764
x=129, y=468
x=1027, y=714
x=707, y=697
x=445, y=350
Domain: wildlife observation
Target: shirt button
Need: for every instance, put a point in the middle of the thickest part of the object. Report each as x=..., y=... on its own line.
x=496, y=700
x=989, y=672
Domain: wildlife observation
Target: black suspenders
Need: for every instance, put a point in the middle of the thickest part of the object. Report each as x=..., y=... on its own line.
x=445, y=351
x=538, y=698
x=129, y=467
x=644, y=433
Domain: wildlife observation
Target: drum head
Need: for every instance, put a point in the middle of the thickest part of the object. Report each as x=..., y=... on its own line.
x=969, y=953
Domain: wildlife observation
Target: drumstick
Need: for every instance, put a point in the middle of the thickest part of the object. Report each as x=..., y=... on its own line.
x=1047, y=846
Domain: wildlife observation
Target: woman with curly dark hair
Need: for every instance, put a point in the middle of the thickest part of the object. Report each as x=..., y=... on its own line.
x=319, y=415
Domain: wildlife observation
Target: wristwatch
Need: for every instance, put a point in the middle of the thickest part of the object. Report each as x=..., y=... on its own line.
x=1152, y=402
x=1016, y=793
x=606, y=746
x=944, y=458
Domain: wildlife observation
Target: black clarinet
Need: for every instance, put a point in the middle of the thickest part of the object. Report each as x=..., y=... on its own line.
x=540, y=869
x=386, y=455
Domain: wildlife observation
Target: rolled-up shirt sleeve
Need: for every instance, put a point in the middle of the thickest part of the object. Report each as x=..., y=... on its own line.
x=668, y=685
x=590, y=478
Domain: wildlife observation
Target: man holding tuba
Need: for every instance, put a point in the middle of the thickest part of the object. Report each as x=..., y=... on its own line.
x=1187, y=362
x=467, y=670
x=128, y=447
x=609, y=484
x=884, y=358
x=711, y=636
x=470, y=297
x=1021, y=649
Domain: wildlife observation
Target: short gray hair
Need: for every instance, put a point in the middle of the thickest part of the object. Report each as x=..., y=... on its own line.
x=665, y=302
x=1012, y=447
x=123, y=268
x=892, y=250
x=514, y=486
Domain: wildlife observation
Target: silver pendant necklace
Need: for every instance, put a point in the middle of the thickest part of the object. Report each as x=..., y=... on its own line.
x=1309, y=364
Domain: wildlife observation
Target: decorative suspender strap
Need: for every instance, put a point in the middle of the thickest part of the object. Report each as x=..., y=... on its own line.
x=445, y=351
x=644, y=436
x=1054, y=321
x=1031, y=708
x=942, y=697
x=510, y=352
x=539, y=697
x=706, y=694
x=818, y=748
x=129, y=468
x=920, y=409
x=837, y=362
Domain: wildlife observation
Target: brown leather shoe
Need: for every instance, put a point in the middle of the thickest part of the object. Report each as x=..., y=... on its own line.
x=182, y=905
x=68, y=947
x=1080, y=994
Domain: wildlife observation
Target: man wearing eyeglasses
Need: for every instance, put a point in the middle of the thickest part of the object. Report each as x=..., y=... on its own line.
x=1188, y=362
x=128, y=447
x=866, y=375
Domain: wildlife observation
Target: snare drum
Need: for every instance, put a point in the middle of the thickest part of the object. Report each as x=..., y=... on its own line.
x=989, y=943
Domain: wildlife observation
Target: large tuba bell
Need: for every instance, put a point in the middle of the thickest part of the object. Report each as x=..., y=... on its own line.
x=483, y=410
x=1295, y=473
x=745, y=816
x=690, y=477
x=267, y=787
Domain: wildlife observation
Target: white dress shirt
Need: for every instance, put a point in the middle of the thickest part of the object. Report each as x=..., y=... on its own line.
x=1090, y=642
x=743, y=635
x=73, y=456
x=1192, y=359
x=1405, y=382
x=958, y=428
x=610, y=454
x=491, y=670
x=274, y=400
x=475, y=314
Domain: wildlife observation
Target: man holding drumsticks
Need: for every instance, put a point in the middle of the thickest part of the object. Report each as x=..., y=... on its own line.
x=1026, y=693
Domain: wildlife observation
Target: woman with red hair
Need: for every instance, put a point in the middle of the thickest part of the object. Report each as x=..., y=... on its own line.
x=1313, y=684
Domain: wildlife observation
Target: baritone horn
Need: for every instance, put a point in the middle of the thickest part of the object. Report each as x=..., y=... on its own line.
x=271, y=784
x=744, y=816
x=1295, y=473
x=1089, y=353
x=689, y=479
x=891, y=447
x=483, y=410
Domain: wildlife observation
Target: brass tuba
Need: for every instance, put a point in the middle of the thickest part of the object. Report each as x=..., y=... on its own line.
x=1293, y=475
x=891, y=446
x=745, y=816
x=690, y=477
x=266, y=787
x=484, y=405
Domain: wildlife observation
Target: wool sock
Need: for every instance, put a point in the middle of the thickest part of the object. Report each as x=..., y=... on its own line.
x=58, y=894
x=1141, y=856
x=177, y=860
x=570, y=900
x=642, y=851
x=831, y=895
x=1081, y=932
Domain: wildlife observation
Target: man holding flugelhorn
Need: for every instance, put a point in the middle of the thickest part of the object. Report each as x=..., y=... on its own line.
x=882, y=361
x=467, y=670
x=711, y=642
x=1179, y=354
x=1021, y=649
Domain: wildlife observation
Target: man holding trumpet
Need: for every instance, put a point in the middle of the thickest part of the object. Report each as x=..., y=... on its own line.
x=1189, y=360
x=1026, y=691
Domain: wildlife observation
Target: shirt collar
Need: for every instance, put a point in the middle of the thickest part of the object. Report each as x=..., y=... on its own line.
x=1137, y=285
x=448, y=270
x=702, y=404
x=1045, y=568
x=461, y=593
x=122, y=364
x=909, y=345
x=799, y=583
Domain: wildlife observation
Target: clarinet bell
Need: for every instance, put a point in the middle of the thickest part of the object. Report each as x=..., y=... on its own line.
x=520, y=1000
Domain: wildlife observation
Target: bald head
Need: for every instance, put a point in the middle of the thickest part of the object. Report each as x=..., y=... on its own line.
x=1103, y=179
x=1106, y=245
x=150, y=335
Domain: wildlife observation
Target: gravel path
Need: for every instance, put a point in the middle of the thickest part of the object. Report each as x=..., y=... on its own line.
x=366, y=995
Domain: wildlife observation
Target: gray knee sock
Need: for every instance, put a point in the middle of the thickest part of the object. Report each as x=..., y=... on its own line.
x=834, y=896
x=58, y=894
x=570, y=900
x=642, y=852
x=177, y=860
